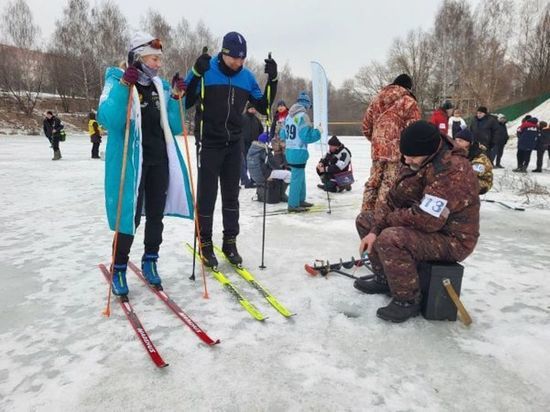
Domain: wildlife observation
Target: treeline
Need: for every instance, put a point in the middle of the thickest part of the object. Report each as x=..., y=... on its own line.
x=494, y=54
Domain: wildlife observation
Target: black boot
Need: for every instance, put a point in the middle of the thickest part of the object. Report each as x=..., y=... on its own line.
x=229, y=248
x=208, y=255
x=399, y=311
x=372, y=286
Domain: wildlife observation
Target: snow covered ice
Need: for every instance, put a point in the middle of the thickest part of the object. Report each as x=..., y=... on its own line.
x=60, y=353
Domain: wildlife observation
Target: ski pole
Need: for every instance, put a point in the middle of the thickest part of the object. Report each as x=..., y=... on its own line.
x=107, y=310
x=199, y=146
x=190, y=171
x=268, y=126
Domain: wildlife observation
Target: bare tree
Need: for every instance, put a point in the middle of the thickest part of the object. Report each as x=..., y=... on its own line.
x=453, y=46
x=22, y=73
x=533, y=47
x=488, y=81
x=75, y=39
x=110, y=36
x=369, y=80
x=415, y=56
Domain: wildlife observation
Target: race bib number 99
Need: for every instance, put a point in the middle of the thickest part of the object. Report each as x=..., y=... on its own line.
x=433, y=205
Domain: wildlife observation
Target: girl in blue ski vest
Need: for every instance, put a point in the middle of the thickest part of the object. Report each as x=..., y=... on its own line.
x=156, y=180
x=298, y=132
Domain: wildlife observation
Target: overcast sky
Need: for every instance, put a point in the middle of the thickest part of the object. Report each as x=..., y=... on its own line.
x=342, y=35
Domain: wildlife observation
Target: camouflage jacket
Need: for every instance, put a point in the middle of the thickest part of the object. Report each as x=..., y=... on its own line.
x=393, y=109
x=484, y=170
x=419, y=198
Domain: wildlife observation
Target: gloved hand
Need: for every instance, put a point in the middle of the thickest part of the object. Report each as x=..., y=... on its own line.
x=333, y=160
x=202, y=65
x=130, y=76
x=178, y=86
x=270, y=68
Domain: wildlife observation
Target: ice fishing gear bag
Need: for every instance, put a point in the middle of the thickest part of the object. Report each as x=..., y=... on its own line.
x=274, y=190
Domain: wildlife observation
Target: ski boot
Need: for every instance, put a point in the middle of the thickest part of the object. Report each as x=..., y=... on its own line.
x=149, y=268
x=373, y=286
x=229, y=248
x=119, y=285
x=306, y=204
x=208, y=255
x=399, y=310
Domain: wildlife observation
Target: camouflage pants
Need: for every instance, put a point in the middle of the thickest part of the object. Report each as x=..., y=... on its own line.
x=398, y=250
x=383, y=174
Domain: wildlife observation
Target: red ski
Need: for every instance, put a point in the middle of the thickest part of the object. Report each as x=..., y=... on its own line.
x=136, y=323
x=175, y=308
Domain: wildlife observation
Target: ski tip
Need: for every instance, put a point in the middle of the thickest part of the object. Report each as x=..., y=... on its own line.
x=163, y=365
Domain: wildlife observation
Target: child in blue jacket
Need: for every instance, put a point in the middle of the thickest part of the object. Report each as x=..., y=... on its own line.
x=298, y=132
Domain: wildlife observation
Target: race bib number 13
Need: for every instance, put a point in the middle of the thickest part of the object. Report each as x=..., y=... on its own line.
x=433, y=205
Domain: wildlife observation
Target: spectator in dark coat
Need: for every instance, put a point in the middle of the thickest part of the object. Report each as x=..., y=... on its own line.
x=501, y=140
x=53, y=128
x=252, y=128
x=543, y=145
x=485, y=128
x=528, y=135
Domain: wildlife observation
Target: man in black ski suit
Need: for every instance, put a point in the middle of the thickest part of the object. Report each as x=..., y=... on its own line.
x=222, y=86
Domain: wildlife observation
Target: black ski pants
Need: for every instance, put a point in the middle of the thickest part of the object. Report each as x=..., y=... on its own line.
x=540, y=156
x=221, y=164
x=152, y=195
x=95, y=150
x=523, y=156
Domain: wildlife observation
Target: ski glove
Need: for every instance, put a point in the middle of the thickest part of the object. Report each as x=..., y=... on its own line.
x=178, y=86
x=130, y=76
x=270, y=69
x=202, y=65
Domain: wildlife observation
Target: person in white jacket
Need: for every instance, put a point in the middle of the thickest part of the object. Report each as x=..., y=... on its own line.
x=456, y=123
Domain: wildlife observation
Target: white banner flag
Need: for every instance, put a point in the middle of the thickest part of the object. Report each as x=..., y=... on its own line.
x=320, y=99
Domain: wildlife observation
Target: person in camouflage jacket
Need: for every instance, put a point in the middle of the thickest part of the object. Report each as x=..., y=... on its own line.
x=393, y=109
x=481, y=164
x=430, y=214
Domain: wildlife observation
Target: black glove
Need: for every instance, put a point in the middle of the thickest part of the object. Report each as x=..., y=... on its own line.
x=202, y=64
x=270, y=68
x=333, y=160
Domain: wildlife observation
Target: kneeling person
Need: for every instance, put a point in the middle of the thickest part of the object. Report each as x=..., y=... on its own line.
x=430, y=214
x=337, y=160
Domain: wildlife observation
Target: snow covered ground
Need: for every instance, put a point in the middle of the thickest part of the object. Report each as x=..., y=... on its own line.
x=59, y=353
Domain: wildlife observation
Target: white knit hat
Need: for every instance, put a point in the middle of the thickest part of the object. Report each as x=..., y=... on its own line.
x=139, y=44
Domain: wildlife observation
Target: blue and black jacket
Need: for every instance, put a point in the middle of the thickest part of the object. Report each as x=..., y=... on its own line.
x=225, y=96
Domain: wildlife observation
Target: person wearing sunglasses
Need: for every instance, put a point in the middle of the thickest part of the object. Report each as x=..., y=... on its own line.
x=222, y=86
x=156, y=179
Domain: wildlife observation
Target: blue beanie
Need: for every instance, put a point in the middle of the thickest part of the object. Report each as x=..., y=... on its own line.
x=304, y=100
x=263, y=138
x=234, y=45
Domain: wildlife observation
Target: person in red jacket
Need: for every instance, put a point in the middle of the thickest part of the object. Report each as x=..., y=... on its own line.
x=440, y=117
